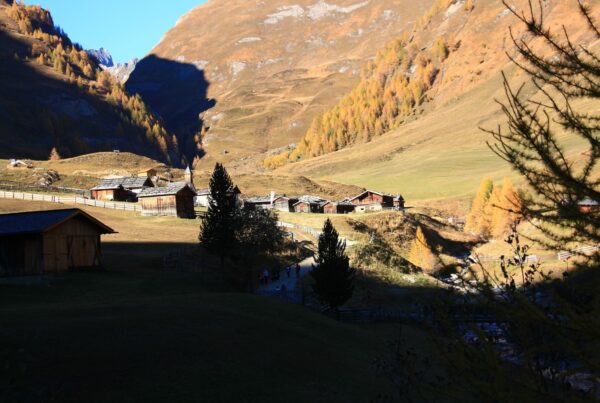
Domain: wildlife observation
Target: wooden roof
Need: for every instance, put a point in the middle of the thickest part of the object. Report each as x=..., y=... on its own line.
x=36, y=222
x=127, y=182
x=170, y=190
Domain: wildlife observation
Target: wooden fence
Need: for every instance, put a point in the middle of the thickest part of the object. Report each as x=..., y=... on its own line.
x=70, y=200
x=22, y=187
x=584, y=250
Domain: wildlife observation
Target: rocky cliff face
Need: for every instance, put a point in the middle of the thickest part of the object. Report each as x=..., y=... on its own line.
x=103, y=57
x=270, y=67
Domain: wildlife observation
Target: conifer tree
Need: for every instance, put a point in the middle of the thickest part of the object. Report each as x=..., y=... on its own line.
x=218, y=228
x=54, y=155
x=332, y=274
x=475, y=217
x=421, y=254
x=492, y=213
x=507, y=213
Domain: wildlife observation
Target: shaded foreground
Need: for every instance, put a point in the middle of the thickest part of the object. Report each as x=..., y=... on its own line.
x=158, y=336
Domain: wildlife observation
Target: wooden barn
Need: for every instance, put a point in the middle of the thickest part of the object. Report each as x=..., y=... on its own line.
x=338, y=207
x=53, y=241
x=309, y=204
x=121, y=189
x=372, y=197
x=285, y=203
x=175, y=199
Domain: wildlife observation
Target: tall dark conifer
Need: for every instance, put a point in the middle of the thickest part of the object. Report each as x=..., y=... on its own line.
x=334, y=279
x=218, y=229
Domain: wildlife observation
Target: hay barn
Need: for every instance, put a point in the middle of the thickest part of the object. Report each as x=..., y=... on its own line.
x=175, y=199
x=53, y=241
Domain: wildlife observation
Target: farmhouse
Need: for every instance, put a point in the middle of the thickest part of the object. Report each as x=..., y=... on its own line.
x=51, y=241
x=309, y=204
x=386, y=200
x=342, y=207
x=176, y=199
x=121, y=189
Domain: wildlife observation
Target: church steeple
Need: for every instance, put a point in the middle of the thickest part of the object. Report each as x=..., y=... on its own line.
x=188, y=175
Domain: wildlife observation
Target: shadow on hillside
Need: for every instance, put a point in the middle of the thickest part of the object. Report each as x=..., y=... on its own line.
x=39, y=111
x=177, y=91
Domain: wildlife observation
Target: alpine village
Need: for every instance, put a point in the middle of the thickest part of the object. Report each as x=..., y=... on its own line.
x=300, y=201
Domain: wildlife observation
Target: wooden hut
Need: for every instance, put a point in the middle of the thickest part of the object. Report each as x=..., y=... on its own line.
x=285, y=203
x=309, y=204
x=121, y=189
x=338, y=207
x=175, y=199
x=53, y=241
x=372, y=197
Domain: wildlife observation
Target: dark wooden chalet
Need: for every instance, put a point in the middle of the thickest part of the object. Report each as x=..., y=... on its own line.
x=285, y=203
x=309, y=204
x=371, y=197
x=121, y=189
x=53, y=241
x=338, y=207
x=176, y=199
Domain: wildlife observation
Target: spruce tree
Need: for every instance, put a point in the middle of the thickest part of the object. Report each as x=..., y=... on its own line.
x=332, y=274
x=218, y=228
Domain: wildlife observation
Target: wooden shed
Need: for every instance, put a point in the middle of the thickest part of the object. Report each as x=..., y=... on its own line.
x=121, y=189
x=175, y=199
x=338, y=207
x=53, y=241
x=285, y=203
x=309, y=204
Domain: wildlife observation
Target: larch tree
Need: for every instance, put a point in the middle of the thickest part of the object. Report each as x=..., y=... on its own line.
x=508, y=211
x=476, y=215
x=421, y=254
x=332, y=274
x=54, y=155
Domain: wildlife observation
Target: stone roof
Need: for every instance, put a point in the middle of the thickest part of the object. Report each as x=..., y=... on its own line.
x=127, y=182
x=169, y=190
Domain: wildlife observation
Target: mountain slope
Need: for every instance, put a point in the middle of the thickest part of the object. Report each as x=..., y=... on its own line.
x=270, y=66
x=55, y=96
x=440, y=151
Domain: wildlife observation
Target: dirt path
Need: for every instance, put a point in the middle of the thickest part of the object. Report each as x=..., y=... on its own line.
x=291, y=282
